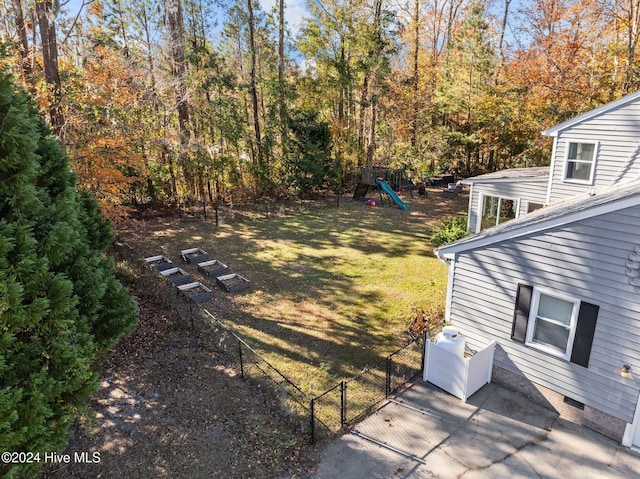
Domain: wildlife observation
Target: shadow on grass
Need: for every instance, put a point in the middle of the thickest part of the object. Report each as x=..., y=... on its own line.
x=327, y=284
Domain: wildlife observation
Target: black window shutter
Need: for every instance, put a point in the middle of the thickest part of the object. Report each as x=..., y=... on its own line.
x=521, y=314
x=585, y=329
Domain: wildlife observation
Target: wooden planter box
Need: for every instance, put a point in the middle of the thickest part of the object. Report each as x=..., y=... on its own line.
x=195, y=292
x=176, y=276
x=213, y=268
x=194, y=255
x=460, y=376
x=159, y=263
x=232, y=282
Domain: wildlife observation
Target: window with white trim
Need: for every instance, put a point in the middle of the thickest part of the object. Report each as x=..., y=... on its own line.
x=581, y=333
x=580, y=164
x=496, y=210
x=552, y=323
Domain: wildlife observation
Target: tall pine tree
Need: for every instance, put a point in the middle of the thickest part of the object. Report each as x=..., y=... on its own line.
x=61, y=307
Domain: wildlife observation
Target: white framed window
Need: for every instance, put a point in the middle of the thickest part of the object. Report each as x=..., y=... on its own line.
x=496, y=210
x=552, y=322
x=580, y=161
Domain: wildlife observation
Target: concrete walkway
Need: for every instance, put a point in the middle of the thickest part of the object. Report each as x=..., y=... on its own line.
x=426, y=433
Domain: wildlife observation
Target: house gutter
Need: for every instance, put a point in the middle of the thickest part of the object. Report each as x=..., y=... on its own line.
x=443, y=258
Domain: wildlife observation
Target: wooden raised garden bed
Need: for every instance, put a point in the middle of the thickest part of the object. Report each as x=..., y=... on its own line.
x=159, y=263
x=195, y=292
x=213, y=268
x=232, y=282
x=194, y=255
x=176, y=276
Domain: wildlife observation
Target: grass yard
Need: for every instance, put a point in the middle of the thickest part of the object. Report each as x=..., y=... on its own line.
x=333, y=289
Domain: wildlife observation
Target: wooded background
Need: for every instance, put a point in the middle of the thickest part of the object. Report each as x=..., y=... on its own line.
x=164, y=100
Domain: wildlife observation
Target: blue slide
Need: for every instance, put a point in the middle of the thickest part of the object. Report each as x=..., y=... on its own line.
x=392, y=194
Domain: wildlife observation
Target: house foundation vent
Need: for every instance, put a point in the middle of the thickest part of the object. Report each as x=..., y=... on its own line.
x=574, y=403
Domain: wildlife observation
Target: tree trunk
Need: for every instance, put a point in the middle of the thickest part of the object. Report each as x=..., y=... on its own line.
x=373, y=80
x=147, y=37
x=21, y=31
x=415, y=79
x=281, y=65
x=176, y=31
x=371, y=146
x=47, y=24
x=254, y=94
x=503, y=28
x=342, y=99
x=364, y=94
x=122, y=28
x=633, y=32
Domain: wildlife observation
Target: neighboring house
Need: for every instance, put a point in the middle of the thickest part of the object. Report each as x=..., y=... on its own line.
x=591, y=152
x=558, y=288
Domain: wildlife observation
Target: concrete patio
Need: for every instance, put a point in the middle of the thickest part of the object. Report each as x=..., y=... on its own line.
x=423, y=432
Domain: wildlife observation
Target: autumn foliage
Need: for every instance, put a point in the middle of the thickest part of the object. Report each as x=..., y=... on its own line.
x=189, y=100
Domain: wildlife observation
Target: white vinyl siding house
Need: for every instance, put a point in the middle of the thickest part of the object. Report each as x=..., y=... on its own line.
x=591, y=152
x=576, y=256
x=614, y=132
x=558, y=288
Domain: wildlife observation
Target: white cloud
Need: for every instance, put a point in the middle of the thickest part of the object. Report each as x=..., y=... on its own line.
x=294, y=12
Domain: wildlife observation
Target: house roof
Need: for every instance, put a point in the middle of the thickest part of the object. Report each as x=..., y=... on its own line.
x=555, y=130
x=563, y=212
x=535, y=173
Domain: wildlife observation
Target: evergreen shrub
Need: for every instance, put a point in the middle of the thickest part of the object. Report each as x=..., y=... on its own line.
x=61, y=308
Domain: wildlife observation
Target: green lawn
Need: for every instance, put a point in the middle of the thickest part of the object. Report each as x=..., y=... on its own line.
x=333, y=289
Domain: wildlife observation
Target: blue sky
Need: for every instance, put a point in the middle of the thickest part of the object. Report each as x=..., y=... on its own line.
x=295, y=11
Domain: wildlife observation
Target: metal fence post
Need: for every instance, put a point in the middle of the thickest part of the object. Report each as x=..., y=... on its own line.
x=424, y=351
x=241, y=362
x=387, y=386
x=313, y=421
x=343, y=403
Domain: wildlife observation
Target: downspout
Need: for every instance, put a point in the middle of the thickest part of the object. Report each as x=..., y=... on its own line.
x=450, y=261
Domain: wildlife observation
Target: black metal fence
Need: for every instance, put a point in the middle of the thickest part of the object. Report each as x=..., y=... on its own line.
x=352, y=399
x=253, y=367
x=322, y=416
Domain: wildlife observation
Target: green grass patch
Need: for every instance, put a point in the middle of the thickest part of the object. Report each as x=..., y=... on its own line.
x=333, y=290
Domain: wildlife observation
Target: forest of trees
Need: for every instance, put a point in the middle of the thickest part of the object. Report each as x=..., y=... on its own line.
x=162, y=100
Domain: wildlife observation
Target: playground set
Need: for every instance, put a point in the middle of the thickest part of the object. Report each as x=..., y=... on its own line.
x=386, y=181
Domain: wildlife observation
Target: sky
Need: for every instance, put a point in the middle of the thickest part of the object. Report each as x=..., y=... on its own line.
x=294, y=11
